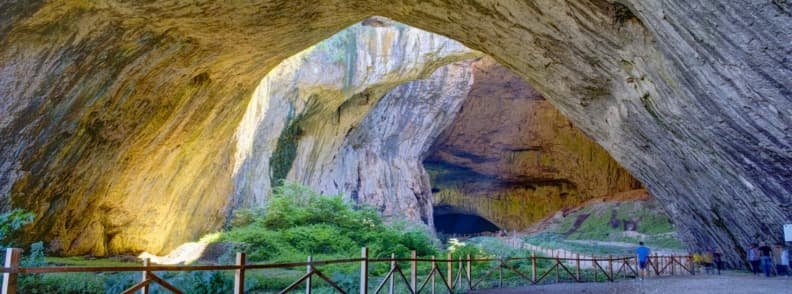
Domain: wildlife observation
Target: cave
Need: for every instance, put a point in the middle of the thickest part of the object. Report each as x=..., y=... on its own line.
x=117, y=117
x=509, y=156
x=459, y=224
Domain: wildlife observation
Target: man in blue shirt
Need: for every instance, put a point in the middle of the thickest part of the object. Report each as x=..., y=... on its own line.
x=643, y=257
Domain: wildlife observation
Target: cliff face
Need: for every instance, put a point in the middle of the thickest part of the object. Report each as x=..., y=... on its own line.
x=136, y=172
x=306, y=120
x=109, y=105
x=512, y=158
x=379, y=159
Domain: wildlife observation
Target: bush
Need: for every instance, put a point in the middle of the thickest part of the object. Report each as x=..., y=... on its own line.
x=298, y=222
x=12, y=221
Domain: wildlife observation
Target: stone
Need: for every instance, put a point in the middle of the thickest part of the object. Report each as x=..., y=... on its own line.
x=512, y=158
x=110, y=104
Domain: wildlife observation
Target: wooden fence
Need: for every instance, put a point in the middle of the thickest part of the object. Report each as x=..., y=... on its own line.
x=458, y=275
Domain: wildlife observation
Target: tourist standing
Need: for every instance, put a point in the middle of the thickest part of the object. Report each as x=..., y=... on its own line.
x=764, y=255
x=716, y=259
x=643, y=257
x=753, y=258
x=778, y=250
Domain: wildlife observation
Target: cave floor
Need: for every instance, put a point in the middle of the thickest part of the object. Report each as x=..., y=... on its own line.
x=728, y=282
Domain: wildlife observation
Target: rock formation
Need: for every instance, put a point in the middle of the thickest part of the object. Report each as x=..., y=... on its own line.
x=379, y=161
x=512, y=158
x=325, y=91
x=311, y=119
x=111, y=104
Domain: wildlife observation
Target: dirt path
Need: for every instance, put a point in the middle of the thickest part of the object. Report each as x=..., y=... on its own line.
x=729, y=282
x=660, y=251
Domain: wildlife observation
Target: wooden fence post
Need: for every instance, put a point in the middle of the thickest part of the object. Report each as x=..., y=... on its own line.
x=500, y=272
x=595, y=266
x=692, y=265
x=533, y=266
x=558, y=265
x=145, y=289
x=11, y=261
x=654, y=264
x=610, y=267
x=469, y=273
x=413, y=271
x=393, y=274
x=577, y=266
x=239, y=274
x=450, y=273
x=308, y=280
x=364, y=270
x=433, y=273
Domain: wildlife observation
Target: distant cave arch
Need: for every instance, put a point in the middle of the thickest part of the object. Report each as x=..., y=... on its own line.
x=629, y=83
x=452, y=222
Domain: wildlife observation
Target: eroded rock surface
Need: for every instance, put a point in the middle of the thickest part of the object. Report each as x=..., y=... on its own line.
x=108, y=105
x=379, y=161
x=512, y=158
x=303, y=113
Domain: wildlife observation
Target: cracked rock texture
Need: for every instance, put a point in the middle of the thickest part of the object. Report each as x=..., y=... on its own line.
x=512, y=158
x=379, y=160
x=98, y=203
x=310, y=120
x=107, y=105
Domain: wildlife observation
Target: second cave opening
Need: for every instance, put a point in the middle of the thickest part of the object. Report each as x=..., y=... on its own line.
x=454, y=223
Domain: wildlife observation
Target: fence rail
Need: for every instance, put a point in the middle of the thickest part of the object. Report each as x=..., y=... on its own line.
x=449, y=280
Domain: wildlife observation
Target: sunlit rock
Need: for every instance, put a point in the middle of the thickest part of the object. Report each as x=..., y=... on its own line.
x=118, y=117
x=318, y=119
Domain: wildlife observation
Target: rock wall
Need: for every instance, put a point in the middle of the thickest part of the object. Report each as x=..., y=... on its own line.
x=379, y=159
x=138, y=173
x=127, y=101
x=306, y=108
x=512, y=158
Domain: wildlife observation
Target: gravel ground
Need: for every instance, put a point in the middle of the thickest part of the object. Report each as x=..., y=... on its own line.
x=728, y=282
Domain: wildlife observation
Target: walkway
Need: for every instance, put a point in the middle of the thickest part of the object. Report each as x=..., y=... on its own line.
x=729, y=282
x=517, y=242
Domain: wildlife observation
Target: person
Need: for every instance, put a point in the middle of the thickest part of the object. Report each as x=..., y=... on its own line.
x=643, y=258
x=716, y=259
x=778, y=249
x=764, y=255
x=785, y=261
x=753, y=258
x=706, y=261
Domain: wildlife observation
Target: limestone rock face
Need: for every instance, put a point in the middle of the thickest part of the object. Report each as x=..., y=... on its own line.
x=379, y=160
x=512, y=158
x=109, y=105
x=306, y=109
x=152, y=204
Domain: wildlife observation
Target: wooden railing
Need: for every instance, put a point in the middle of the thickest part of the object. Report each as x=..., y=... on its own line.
x=609, y=267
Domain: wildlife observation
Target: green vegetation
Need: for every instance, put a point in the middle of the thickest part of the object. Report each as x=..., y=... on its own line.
x=298, y=222
x=12, y=221
x=607, y=228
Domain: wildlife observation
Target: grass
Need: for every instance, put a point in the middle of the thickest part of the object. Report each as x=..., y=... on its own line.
x=606, y=222
x=87, y=261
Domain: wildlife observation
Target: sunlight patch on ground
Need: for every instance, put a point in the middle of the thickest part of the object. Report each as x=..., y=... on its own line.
x=184, y=254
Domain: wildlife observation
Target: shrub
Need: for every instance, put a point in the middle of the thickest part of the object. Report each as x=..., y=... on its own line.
x=298, y=222
x=12, y=221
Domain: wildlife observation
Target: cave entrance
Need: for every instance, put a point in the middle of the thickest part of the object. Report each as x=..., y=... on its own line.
x=511, y=158
x=461, y=224
x=451, y=223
